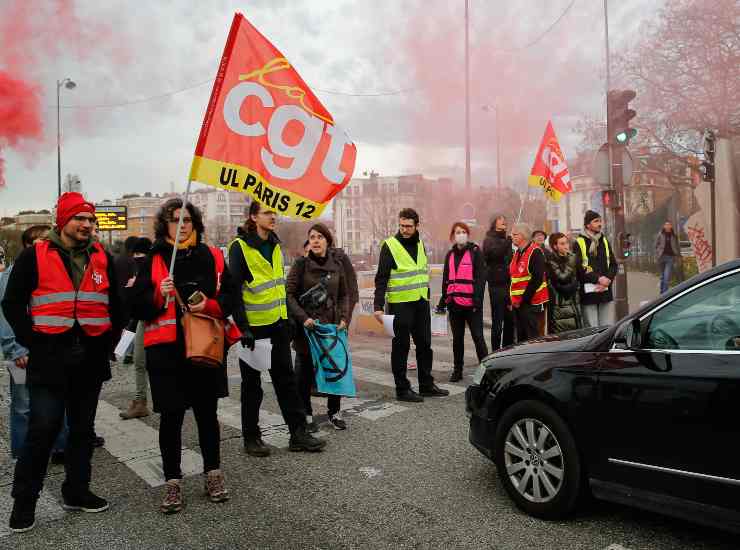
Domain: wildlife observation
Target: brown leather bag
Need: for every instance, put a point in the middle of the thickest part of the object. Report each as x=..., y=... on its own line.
x=204, y=337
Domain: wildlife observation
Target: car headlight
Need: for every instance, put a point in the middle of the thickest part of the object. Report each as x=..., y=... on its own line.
x=479, y=374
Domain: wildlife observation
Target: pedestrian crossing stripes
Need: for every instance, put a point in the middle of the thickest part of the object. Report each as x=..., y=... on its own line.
x=386, y=379
x=47, y=509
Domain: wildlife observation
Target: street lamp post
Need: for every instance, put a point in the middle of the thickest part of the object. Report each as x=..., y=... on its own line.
x=70, y=85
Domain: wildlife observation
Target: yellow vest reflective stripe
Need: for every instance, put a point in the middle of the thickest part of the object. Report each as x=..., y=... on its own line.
x=584, y=253
x=409, y=282
x=264, y=298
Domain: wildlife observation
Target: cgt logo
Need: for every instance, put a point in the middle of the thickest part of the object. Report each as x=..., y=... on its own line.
x=303, y=127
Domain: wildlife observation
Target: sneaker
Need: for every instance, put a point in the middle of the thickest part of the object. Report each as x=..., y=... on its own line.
x=23, y=516
x=312, y=427
x=57, y=457
x=301, y=440
x=84, y=502
x=456, y=375
x=337, y=422
x=433, y=391
x=254, y=446
x=137, y=409
x=98, y=441
x=215, y=487
x=172, y=502
x=409, y=396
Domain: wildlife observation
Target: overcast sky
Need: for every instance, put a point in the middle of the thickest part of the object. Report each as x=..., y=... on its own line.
x=118, y=53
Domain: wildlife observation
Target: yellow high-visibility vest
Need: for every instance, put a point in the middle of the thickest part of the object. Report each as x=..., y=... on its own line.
x=584, y=253
x=264, y=298
x=410, y=280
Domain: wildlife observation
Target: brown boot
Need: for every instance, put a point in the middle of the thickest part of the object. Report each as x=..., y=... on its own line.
x=215, y=487
x=137, y=409
x=173, y=500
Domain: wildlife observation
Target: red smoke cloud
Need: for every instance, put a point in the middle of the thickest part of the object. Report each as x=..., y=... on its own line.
x=20, y=115
x=31, y=32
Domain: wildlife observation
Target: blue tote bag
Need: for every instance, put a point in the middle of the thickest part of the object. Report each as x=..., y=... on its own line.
x=332, y=360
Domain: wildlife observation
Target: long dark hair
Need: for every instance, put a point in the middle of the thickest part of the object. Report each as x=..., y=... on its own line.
x=250, y=225
x=164, y=215
x=496, y=217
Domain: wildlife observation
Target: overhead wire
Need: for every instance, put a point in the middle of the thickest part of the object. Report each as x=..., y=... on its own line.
x=322, y=90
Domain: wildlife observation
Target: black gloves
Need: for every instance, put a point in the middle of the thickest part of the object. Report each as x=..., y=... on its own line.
x=247, y=339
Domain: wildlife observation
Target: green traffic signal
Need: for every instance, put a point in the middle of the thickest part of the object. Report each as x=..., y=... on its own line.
x=625, y=136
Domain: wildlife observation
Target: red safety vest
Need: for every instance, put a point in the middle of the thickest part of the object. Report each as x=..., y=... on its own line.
x=520, y=277
x=460, y=282
x=163, y=329
x=56, y=305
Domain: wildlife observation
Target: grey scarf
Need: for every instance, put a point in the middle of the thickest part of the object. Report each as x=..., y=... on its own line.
x=593, y=248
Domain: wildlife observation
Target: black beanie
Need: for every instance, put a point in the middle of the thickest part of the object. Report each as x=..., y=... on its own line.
x=590, y=216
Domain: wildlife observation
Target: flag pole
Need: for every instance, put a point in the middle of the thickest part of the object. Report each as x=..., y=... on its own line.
x=177, y=233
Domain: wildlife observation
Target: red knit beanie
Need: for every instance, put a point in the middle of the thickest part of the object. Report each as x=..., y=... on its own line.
x=71, y=204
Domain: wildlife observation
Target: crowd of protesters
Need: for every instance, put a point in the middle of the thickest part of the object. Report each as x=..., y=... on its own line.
x=66, y=301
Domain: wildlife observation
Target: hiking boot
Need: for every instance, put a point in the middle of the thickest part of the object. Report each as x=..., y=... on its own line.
x=254, y=446
x=456, y=375
x=23, y=516
x=85, y=501
x=172, y=502
x=337, y=421
x=409, y=396
x=301, y=440
x=215, y=486
x=433, y=391
x=57, y=457
x=137, y=409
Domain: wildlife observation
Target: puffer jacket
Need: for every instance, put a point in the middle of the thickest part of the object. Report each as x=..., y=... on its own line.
x=564, y=310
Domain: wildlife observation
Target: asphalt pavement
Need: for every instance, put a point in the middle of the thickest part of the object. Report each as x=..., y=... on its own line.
x=402, y=476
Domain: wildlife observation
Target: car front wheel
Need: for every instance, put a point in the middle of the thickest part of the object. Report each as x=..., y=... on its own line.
x=537, y=460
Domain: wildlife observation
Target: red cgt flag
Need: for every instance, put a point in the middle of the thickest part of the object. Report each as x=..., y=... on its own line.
x=550, y=171
x=266, y=134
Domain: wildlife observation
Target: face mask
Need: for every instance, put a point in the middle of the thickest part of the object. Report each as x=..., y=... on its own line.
x=461, y=238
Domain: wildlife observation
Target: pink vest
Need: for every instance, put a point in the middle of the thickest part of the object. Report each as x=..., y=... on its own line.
x=460, y=283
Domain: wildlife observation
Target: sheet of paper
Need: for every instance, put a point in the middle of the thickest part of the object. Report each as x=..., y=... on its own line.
x=261, y=358
x=388, y=324
x=127, y=339
x=18, y=374
x=588, y=288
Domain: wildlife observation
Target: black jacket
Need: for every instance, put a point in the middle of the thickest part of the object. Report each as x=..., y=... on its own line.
x=47, y=361
x=564, y=309
x=536, y=270
x=497, y=254
x=599, y=267
x=386, y=263
x=240, y=272
x=194, y=270
x=479, y=274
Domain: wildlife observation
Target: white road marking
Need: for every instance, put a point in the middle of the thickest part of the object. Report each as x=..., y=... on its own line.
x=386, y=379
x=368, y=409
x=136, y=445
x=274, y=430
x=371, y=472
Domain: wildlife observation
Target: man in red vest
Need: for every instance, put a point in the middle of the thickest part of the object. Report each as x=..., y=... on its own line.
x=528, y=284
x=62, y=304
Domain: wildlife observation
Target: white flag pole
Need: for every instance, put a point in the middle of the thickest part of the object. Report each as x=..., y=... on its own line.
x=177, y=234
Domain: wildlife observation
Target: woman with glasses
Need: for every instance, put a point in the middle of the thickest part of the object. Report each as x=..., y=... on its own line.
x=202, y=280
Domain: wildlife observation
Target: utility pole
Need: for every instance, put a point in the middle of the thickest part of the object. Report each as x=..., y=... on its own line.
x=467, y=100
x=499, y=183
x=616, y=182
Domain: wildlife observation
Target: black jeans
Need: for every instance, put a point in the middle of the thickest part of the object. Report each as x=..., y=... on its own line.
x=502, y=326
x=412, y=320
x=283, y=379
x=209, y=437
x=306, y=374
x=474, y=320
x=528, y=321
x=48, y=405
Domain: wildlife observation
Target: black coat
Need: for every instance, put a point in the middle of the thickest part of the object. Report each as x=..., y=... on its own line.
x=564, y=308
x=194, y=270
x=46, y=363
x=599, y=266
x=497, y=254
x=479, y=274
x=386, y=264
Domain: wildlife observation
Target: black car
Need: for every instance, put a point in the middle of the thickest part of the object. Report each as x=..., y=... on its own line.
x=644, y=413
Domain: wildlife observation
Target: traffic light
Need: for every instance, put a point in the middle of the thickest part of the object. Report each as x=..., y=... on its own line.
x=619, y=115
x=707, y=165
x=625, y=244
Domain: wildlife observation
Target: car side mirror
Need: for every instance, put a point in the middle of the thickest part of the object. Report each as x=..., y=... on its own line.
x=636, y=340
x=628, y=337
